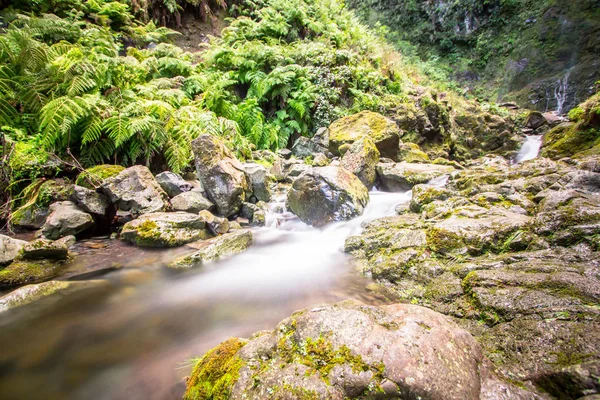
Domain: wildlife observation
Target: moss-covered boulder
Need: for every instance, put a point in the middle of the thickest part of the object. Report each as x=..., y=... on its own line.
x=351, y=350
x=327, y=194
x=412, y=153
x=47, y=249
x=217, y=248
x=94, y=177
x=29, y=161
x=9, y=249
x=396, y=177
x=28, y=271
x=36, y=200
x=165, y=229
x=383, y=131
x=361, y=159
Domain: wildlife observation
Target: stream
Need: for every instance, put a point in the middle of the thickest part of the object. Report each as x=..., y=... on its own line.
x=129, y=337
x=530, y=148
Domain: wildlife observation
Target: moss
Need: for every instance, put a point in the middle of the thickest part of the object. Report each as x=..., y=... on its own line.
x=93, y=177
x=29, y=161
x=28, y=271
x=216, y=373
x=442, y=241
x=365, y=124
x=285, y=390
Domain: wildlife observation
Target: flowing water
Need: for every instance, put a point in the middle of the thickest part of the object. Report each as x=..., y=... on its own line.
x=127, y=338
x=530, y=148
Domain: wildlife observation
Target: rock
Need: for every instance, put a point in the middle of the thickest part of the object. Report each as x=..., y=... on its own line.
x=383, y=131
x=258, y=181
x=574, y=381
x=326, y=194
x=20, y=272
x=320, y=160
x=216, y=225
x=361, y=159
x=66, y=219
x=285, y=153
x=47, y=249
x=304, y=147
x=191, y=202
x=254, y=214
x=136, y=190
x=166, y=229
x=33, y=214
x=403, y=176
x=351, y=350
x=216, y=248
x=173, y=184
x=94, y=177
x=412, y=153
x=222, y=175
x=535, y=119
x=321, y=137
x=89, y=201
x=295, y=170
x=9, y=249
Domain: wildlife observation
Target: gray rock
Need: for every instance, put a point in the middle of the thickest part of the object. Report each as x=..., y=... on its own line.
x=23, y=271
x=320, y=160
x=191, y=202
x=216, y=248
x=222, y=175
x=136, y=190
x=254, y=214
x=89, y=200
x=295, y=170
x=165, y=229
x=304, y=147
x=216, y=225
x=66, y=219
x=402, y=176
x=361, y=159
x=48, y=249
x=535, y=119
x=326, y=194
x=9, y=249
x=258, y=181
x=285, y=153
x=321, y=137
x=172, y=183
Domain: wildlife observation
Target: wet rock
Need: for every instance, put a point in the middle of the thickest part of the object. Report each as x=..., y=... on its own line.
x=383, y=131
x=136, y=190
x=361, y=159
x=350, y=349
x=403, y=176
x=191, y=202
x=412, y=153
x=216, y=248
x=90, y=201
x=48, y=249
x=305, y=147
x=173, y=184
x=216, y=225
x=321, y=137
x=574, y=381
x=66, y=219
x=165, y=229
x=326, y=194
x=222, y=175
x=20, y=272
x=320, y=160
x=254, y=214
x=258, y=181
x=9, y=249
x=33, y=214
x=535, y=120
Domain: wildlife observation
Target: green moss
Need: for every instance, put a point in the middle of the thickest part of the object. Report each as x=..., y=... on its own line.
x=216, y=373
x=28, y=162
x=284, y=391
x=576, y=114
x=28, y=271
x=93, y=177
x=442, y=241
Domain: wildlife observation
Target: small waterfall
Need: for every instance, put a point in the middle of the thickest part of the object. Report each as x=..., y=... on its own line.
x=530, y=149
x=560, y=92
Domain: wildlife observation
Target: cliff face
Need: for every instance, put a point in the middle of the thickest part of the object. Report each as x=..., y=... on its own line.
x=541, y=54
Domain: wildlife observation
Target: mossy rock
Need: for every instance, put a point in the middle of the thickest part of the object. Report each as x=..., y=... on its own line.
x=93, y=177
x=29, y=161
x=37, y=198
x=28, y=271
x=166, y=229
x=412, y=153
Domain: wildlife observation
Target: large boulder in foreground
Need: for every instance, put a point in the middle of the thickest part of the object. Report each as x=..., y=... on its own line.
x=383, y=131
x=66, y=219
x=136, y=190
x=9, y=249
x=395, y=177
x=361, y=159
x=326, y=194
x=29, y=271
x=221, y=174
x=351, y=350
x=166, y=229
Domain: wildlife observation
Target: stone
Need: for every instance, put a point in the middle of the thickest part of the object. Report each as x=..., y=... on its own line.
x=258, y=181
x=217, y=248
x=33, y=214
x=221, y=174
x=20, y=272
x=304, y=147
x=136, y=190
x=321, y=137
x=361, y=159
x=90, y=201
x=254, y=214
x=173, y=184
x=48, y=249
x=320, y=160
x=535, y=120
x=285, y=153
x=216, y=225
x=351, y=350
x=94, y=177
x=191, y=202
x=165, y=229
x=327, y=194
x=383, y=131
x=9, y=249
x=66, y=219
x=403, y=176
x=295, y=170
x=412, y=153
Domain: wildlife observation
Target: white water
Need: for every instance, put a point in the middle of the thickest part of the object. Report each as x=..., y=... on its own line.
x=530, y=148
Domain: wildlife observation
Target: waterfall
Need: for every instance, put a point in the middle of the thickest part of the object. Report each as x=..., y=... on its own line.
x=560, y=92
x=530, y=148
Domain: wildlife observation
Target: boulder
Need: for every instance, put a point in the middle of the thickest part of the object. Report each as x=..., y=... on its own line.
x=172, y=183
x=216, y=248
x=48, y=249
x=535, y=119
x=285, y=153
x=254, y=214
x=9, y=249
x=136, y=190
x=321, y=137
x=258, y=181
x=20, y=272
x=221, y=174
x=326, y=194
x=403, y=176
x=305, y=147
x=351, y=350
x=412, y=153
x=165, y=229
x=33, y=214
x=361, y=159
x=90, y=201
x=94, y=177
x=320, y=160
x=66, y=219
x=383, y=131
x=191, y=202
x=216, y=225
